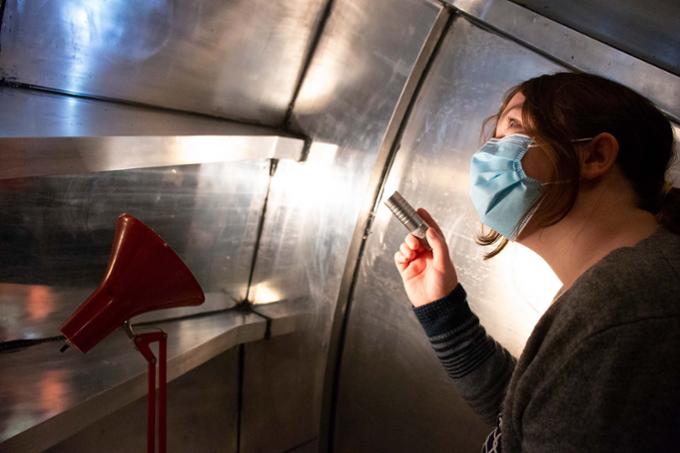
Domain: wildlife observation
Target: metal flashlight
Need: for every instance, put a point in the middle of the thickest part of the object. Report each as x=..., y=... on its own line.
x=408, y=216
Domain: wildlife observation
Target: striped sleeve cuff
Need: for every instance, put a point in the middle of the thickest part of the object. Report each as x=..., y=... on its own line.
x=459, y=341
x=439, y=316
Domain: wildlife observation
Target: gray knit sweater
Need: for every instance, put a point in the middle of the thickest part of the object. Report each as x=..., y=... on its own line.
x=600, y=371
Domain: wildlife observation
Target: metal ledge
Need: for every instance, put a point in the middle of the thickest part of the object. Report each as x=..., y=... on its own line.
x=46, y=396
x=574, y=49
x=47, y=134
x=23, y=157
x=285, y=316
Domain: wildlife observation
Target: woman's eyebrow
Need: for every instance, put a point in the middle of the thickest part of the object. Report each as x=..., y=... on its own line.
x=516, y=106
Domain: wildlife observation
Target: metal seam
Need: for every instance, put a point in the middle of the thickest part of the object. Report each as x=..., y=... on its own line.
x=273, y=163
x=325, y=14
x=15, y=345
x=2, y=17
x=268, y=319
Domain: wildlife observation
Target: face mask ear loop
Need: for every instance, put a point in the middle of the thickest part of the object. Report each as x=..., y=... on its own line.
x=576, y=140
x=565, y=181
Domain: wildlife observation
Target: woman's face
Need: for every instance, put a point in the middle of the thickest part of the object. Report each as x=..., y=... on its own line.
x=534, y=162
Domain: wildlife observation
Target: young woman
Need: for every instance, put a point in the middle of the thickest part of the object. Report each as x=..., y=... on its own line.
x=576, y=172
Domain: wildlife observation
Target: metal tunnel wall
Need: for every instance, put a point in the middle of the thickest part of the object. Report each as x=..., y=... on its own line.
x=393, y=394
x=165, y=68
x=159, y=61
x=353, y=84
x=199, y=56
x=390, y=95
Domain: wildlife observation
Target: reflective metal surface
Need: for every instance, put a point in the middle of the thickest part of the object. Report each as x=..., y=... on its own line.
x=47, y=396
x=202, y=415
x=345, y=104
x=46, y=134
x=243, y=60
x=286, y=316
x=646, y=30
x=31, y=312
x=31, y=156
x=383, y=162
x=33, y=113
x=577, y=50
x=389, y=372
x=58, y=232
x=239, y=59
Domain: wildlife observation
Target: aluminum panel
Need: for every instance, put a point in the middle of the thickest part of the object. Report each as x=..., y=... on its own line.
x=394, y=395
x=202, y=415
x=31, y=156
x=58, y=231
x=348, y=96
x=47, y=396
x=575, y=50
x=44, y=134
x=649, y=33
x=239, y=59
x=34, y=113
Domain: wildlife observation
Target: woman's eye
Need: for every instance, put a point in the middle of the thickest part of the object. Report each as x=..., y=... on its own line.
x=514, y=123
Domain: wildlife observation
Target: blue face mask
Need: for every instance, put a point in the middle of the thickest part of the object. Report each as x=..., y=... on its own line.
x=501, y=191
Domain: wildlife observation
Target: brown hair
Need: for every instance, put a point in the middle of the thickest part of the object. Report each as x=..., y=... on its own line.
x=565, y=106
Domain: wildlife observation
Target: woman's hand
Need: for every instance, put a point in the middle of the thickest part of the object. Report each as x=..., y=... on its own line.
x=427, y=275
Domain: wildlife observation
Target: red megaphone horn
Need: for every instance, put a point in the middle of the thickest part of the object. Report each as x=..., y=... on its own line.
x=143, y=274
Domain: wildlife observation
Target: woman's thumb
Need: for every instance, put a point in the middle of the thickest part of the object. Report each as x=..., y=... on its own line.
x=440, y=251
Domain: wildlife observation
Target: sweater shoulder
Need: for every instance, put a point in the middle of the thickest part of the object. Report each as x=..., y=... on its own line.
x=629, y=284
x=632, y=295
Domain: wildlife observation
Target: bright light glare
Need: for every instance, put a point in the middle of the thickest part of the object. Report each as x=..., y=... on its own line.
x=531, y=278
x=266, y=293
x=316, y=184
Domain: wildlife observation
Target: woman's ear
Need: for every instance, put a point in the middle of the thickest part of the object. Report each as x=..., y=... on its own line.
x=598, y=156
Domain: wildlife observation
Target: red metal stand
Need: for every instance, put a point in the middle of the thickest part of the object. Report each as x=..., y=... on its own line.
x=142, y=342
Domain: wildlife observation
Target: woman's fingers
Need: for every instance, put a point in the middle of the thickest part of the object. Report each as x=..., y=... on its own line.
x=408, y=251
x=401, y=261
x=405, y=250
x=412, y=242
x=426, y=275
